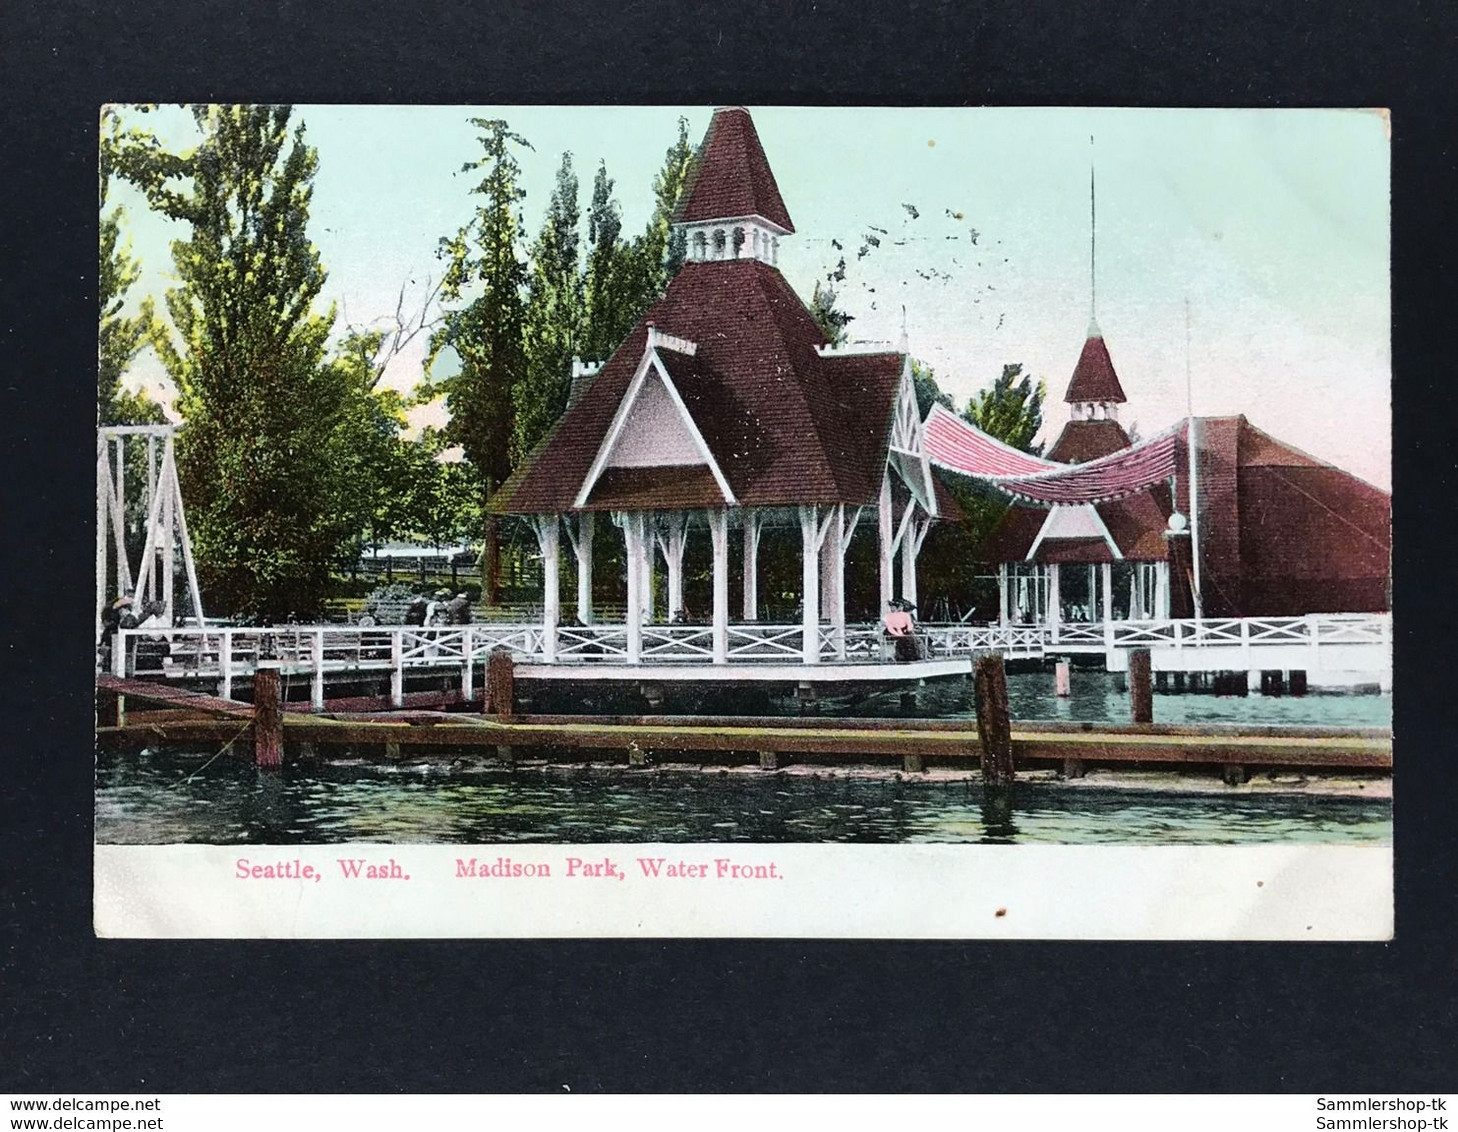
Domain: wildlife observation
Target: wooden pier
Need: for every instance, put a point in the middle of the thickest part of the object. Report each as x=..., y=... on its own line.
x=634, y=740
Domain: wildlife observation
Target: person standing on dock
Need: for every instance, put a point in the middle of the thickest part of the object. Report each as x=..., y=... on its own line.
x=458, y=612
x=415, y=612
x=901, y=631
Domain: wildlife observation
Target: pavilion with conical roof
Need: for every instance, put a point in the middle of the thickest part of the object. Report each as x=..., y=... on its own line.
x=727, y=410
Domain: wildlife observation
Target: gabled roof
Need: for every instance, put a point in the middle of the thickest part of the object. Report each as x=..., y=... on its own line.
x=784, y=425
x=1094, y=378
x=731, y=176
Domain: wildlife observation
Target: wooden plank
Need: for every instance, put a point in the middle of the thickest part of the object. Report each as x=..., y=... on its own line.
x=172, y=696
x=848, y=739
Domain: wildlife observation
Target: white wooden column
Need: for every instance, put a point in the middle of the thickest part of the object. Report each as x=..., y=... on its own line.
x=549, y=540
x=719, y=537
x=580, y=533
x=650, y=536
x=832, y=577
x=671, y=539
x=1108, y=579
x=225, y=665
x=1161, y=590
x=810, y=531
x=1055, y=602
x=169, y=535
x=914, y=530
x=753, y=526
x=1002, y=613
x=887, y=538
x=633, y=545
x=316, y=670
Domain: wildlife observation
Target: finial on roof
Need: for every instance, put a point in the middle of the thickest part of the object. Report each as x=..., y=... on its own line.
x=905, y=343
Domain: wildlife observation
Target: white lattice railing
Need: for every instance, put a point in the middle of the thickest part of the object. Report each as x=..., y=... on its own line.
x=337, y=651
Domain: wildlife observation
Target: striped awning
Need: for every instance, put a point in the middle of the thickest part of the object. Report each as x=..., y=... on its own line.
x=954, y=444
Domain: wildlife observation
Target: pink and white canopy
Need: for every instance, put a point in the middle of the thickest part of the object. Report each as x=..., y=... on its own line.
x=954, y=444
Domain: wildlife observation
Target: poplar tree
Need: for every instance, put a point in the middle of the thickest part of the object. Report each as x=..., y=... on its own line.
x=610, y=309
x=120, y=338
x=659, y=252
x=260, y=402
x=482, y=324
x=553, y=320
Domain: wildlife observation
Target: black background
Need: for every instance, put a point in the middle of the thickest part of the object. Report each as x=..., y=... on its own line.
x=81, y=1014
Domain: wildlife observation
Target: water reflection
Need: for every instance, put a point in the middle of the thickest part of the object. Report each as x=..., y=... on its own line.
x=997, y=814
x=161, y=798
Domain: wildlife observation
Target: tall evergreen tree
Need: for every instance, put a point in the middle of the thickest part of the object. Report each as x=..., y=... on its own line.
x=659, y=252
x=610, y=309
x=482, y=291
x=553, y=320
x=120, y=338
x=260, y=402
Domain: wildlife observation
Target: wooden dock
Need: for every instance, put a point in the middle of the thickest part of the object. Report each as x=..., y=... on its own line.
x=188, y=718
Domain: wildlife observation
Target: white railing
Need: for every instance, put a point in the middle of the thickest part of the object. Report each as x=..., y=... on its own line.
x=338, y=651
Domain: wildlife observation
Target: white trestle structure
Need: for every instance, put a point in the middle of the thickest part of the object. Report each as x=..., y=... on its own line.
x=166, y=539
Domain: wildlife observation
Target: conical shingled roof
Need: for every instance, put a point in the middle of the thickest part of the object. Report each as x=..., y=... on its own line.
x=731, y=176
x=1094, y=378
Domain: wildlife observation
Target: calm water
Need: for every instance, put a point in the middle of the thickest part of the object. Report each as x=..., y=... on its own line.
x=1095, y=698
x=151, y=798
x=180, y=796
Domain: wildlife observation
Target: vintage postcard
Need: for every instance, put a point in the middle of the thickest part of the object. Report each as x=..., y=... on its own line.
x=743, y=521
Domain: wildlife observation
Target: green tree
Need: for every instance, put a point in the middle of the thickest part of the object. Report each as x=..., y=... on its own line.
x=830, y=318
x=368, y=450
x=928, y=392
x=442, y=500
x=482, y=324
x=120, y=338
x=951, y=561
x=1011, y=409
x=260, y=401
x=659, y=252
x=610, y=305
x=553, y=318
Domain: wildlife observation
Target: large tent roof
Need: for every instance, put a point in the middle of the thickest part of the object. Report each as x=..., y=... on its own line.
x=955, y=444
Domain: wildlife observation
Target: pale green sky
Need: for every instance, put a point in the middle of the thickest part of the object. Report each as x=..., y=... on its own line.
x=1274, y=224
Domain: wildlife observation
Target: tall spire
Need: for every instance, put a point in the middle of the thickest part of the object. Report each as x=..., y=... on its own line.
x=730, y=207
x=1093, y=280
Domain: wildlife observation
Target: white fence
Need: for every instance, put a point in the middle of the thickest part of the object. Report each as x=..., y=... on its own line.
x=338, y=652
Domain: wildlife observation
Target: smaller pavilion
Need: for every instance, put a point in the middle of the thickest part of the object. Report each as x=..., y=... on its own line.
x=726, y=411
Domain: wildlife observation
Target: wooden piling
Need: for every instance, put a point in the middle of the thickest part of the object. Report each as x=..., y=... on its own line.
x=994, y=728
x=267, y=716
x=1297, y=682
x=769, y=760
x=1074, y=768
x=1234, y=774
x=1141, y=689
x=913, y=764
x=500, y=684
x=505, y=754
x=1062, y=679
